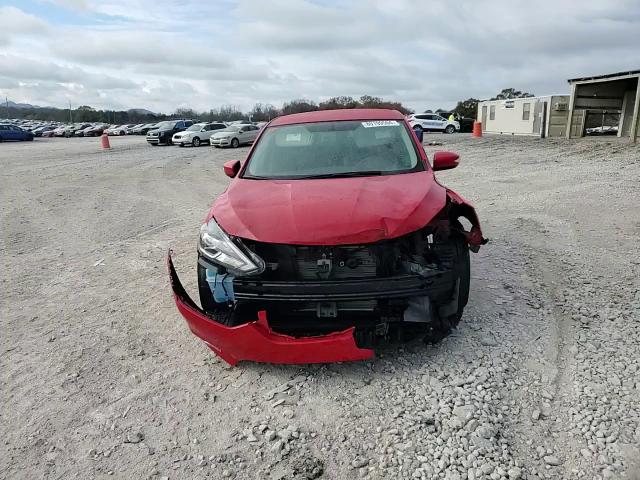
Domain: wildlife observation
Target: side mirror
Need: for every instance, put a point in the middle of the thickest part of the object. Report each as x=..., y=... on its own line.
x=231, y=168
x=445, y=160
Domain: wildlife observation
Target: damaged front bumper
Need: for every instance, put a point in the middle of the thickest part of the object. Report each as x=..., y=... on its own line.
x=255, y=341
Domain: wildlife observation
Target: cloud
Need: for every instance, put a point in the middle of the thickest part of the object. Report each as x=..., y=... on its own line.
x=14, y=22
x=112, y=53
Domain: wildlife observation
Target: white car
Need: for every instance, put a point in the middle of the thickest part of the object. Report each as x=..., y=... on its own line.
x=119, y=130
x=197, y=133
x=432, y=122
x=234, y=136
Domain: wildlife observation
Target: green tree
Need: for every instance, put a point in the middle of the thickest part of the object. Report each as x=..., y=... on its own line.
x=467, y=108
x=508, y=93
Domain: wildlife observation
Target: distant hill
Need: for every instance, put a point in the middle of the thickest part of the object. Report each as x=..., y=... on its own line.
x=134, y=111
x=19, y=105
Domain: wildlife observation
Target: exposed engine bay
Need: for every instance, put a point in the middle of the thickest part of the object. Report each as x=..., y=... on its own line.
x=393, y=290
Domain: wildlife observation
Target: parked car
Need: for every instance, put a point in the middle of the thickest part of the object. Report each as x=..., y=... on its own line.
x=40, y=131
x=234, y=136
x=119, y=130
x=432, y=122
x=96, y=130
x=164, y=131
x=333, y=236
x=13, y=132
x=144, y=129
x=196, y=134
x=466, y=124
x=133, y=127
x=71, y=130
x=59, y=132
x=81, y=132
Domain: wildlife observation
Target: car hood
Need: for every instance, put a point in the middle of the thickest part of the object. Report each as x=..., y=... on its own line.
x=338, y=211
x=223, y=134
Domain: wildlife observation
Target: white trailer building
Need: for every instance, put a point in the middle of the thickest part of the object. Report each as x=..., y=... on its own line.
x=535, y=116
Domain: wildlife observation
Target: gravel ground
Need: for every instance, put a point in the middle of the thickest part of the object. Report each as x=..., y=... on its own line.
x=101, y=377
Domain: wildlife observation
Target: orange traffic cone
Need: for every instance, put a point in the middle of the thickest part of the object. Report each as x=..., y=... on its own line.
x=105, y=142
x=477, y=129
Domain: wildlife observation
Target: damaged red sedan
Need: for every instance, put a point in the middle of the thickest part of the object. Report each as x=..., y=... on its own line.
x=333, y=236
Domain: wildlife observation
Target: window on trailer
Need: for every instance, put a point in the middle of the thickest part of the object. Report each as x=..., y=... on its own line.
x=526, y=111
x=492, y=112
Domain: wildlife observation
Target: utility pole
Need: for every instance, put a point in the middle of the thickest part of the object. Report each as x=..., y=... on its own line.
x=7, y=102
x=70, y=117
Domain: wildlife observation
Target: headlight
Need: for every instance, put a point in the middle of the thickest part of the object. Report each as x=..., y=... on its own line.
x=216, y=245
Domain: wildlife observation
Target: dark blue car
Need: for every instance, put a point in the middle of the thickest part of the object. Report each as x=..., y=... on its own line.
x=11, y=132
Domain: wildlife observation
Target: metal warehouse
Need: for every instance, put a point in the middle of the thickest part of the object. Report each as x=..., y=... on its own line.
x=536, y=116
x=609, y=100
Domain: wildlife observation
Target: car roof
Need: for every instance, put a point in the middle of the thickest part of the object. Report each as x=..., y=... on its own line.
x=338, y=115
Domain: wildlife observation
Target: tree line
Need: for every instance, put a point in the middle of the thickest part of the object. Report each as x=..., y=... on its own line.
x=227, y=113
x=259, y=113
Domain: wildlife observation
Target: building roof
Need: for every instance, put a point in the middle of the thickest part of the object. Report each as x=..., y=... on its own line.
x=608, y=76
x=337, y=115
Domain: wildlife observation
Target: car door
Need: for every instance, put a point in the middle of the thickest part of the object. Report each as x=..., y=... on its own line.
x=252, y=133
x=243, y=134
x=421, y=120
x=439, y=123
x=15, y=133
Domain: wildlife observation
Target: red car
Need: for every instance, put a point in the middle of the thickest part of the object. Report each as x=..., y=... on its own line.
x=333, y=236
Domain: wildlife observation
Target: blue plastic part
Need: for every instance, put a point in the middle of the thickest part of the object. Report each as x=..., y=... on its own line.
x=221, y=285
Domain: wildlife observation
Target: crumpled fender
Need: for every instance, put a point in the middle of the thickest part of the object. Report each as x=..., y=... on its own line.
x=465, y=209
x=255, y=341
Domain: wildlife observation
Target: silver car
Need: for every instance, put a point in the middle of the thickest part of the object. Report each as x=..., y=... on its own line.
x=234, y=136
x=197, y=133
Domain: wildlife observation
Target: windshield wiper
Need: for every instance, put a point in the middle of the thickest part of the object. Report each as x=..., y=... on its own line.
x=363, y=173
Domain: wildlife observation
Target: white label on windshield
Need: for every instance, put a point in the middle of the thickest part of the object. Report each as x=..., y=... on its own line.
x=293, y=137
x=380, y=123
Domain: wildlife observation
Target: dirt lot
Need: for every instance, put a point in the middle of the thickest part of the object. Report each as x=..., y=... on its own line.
x=100, y=375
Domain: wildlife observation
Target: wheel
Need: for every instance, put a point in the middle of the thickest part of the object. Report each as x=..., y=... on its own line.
x=122, y=132
x=0, y=139
x=449, y=316
x=235, y=143
x=450, y=129
x=195, y=142
x=153, y=144
x=169, y=142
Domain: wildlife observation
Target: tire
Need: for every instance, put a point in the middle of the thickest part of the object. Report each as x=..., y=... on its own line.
x=122, y=133
x=169, y=141
x=450, y=129
x=235, y=143
x=195, y=142
x=448, y=322
x=181, y=145
x=0, y=139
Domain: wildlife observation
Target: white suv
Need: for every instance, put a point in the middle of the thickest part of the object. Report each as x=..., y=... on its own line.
x=433, y=122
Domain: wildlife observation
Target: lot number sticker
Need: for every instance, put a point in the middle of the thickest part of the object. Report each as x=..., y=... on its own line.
x=380, y=123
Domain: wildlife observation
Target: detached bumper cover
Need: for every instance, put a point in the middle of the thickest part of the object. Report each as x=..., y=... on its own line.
x=255, y=341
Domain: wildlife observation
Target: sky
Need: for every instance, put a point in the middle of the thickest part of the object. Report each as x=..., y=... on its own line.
x=164, y=55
